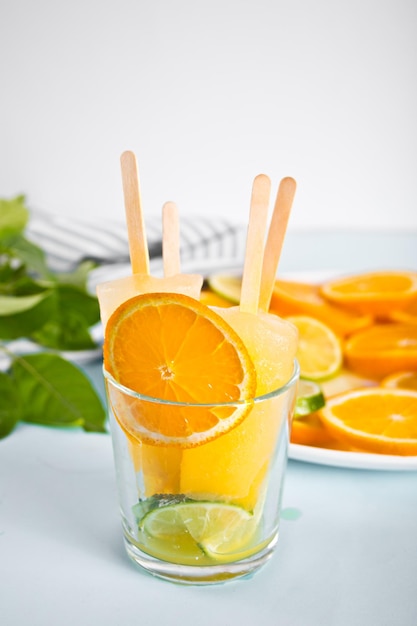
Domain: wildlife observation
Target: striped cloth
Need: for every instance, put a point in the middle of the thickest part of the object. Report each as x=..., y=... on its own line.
x=67, y=241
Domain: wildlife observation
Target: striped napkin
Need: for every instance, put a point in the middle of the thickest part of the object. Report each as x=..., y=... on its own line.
x=67, y=241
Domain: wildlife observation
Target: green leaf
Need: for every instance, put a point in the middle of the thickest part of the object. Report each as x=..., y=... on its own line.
x=69, y=332
x=9, y=405
x=9, y=276
x=73, y=298
x=68, y=325
x=31, y=255
x=22, y=315
x=55, y=392
x=77, y=278
x=13, y=217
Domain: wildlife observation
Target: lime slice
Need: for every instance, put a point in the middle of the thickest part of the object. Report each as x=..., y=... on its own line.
x=218, y=529
x=226, y=285
x=310, y=398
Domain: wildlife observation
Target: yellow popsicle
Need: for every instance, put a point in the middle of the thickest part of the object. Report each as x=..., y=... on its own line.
x=113, y=293
x=233, y=467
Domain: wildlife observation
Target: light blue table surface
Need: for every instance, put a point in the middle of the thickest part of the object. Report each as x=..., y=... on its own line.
x=347, y=553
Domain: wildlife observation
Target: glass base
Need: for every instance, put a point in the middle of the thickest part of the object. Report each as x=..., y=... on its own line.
x=215, y=574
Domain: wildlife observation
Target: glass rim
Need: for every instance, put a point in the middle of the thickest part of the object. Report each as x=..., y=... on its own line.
x=267, y=396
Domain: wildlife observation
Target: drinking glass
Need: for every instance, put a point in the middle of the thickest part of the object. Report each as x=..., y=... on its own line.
x=206, y=513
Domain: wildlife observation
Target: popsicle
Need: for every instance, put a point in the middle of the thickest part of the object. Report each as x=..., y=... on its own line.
x=236, y=465
x=271, y=341
x=112, y=294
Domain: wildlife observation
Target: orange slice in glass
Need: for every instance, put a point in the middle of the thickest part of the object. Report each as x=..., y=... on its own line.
x=374, y=293
x=374, y=420
x=172, y=348
x=382, y=349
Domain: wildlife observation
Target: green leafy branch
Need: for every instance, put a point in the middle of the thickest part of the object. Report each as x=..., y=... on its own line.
x=54, y=310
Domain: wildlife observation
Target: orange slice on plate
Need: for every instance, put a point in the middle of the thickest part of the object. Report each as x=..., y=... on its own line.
x=382, y=349
x=297, y=298
x=401, y=380
x=294, y=298
x=374, y=420
x=407, y=315
x=310, y=431
x=374, y=293
x=173, y=348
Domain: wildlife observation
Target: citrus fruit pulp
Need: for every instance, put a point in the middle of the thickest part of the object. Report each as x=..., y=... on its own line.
x=375, y=293
x=374, y=420
x=319, y=350
x=172, y=348
x=401, y=380
x=408, y=315
x=310, y=431
x=299, y=298
x=291, y=297
x=382, y=349
x=198, y=531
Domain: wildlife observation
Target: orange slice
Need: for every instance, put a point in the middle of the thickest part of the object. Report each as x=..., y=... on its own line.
x=382, y=349
x=173, y=348
x=407, y=315
x=309, y=431
x=401, y=380
x=374, y=293
x=374, y=420
x=296, y=298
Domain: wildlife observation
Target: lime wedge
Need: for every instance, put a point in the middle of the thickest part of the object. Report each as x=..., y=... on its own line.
x=310, y=398
x=218, y=529
x=226, y=285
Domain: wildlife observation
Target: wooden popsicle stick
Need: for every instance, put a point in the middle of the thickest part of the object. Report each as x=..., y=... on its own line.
x=138, y=247
x=255, y=241
x=170, y=239
x=275, y=239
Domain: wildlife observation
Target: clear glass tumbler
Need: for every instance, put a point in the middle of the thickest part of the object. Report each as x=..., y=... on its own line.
x=205, y=513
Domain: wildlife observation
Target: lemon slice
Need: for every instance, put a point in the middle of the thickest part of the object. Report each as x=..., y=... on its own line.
x=218, y=529
x=319, y=349
x=310, y=398
x=227, y=286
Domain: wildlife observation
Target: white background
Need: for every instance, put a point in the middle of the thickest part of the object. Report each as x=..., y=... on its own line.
x=209, y=94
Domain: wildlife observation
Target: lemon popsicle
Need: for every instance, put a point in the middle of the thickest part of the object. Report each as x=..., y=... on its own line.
x=158, y=467
x=236, y=466
x=112, y=294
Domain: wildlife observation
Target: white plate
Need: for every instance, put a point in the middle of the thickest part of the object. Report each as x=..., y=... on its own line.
x=308, y=454
x=356, y=460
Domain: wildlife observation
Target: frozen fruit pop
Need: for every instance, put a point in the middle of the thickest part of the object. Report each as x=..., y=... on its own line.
x=272, y=344
x=112, y=294
x=270, y=340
